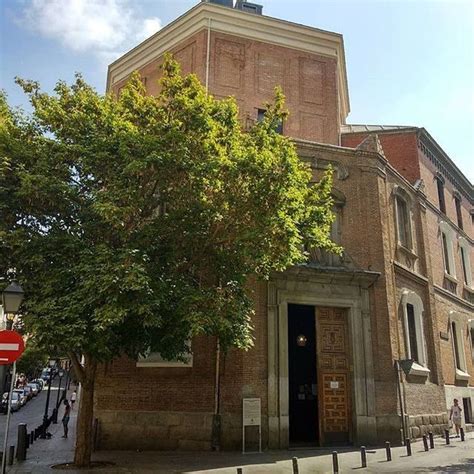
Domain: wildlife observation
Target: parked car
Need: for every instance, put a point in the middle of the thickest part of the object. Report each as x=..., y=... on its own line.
x=28, y=392
x=47, y=373
x=23, y=397
x=40, y=383
x=34, y=388
x=15, y=403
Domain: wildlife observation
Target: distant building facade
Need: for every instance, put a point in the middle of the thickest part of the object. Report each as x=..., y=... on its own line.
x=361, y=348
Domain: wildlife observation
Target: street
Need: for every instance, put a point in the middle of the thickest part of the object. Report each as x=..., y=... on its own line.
x=31, y=414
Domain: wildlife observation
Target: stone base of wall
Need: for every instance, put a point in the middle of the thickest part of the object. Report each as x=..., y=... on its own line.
x=154, y=430
x=389, y=429
x=420, y=425
x=172, y=431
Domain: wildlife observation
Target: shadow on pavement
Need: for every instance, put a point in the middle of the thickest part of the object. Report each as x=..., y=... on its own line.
x=466, y=466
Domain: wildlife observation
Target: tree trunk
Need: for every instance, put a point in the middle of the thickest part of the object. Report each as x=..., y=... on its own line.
x=85, y=417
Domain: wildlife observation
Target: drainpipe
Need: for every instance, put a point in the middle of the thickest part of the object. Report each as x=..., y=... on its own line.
x=400, y=381
x=216, y=418
x=402, y=405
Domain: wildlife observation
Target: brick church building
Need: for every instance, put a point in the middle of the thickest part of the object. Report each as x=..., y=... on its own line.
x=363, y=348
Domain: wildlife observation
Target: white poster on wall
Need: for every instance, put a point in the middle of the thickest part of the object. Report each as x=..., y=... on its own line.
x=252, y=416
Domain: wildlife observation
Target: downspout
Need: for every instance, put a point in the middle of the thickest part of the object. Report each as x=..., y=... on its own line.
x=402, y=405
x=208, y=53
x=399, y=376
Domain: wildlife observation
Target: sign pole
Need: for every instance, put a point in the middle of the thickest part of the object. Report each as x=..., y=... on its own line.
x=5, y=441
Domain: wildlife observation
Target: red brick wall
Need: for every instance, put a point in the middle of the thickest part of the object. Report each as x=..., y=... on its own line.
x=400, y=149
x=249, y=70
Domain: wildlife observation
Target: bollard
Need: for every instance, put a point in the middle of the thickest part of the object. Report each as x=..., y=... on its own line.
x=335, y=463
x=446, y=436
x=294, y=460
x=21, y=442
x=11, y=455
x=430, y=434
x=461, y=429
x=408, y=445
x=32, y=437
x=425, y=443
x=387, y=449
x=363, y=457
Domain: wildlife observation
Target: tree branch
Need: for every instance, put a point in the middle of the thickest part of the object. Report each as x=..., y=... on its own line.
x=77, y=366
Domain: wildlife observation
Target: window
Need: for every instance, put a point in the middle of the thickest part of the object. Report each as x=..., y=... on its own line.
x=463, y=260
x=447, y=239
x=403, y=222
x=261, y=116
x=445, y=253
x=457, y=353
x=457, y=322
x=466, y=402
x=412, y=308
x=471, y=332
x=412, y=332
x=457, y=203
x=464, y=249
x=441, y=201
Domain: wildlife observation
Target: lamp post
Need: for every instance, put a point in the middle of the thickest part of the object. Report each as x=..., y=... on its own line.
x=11, y=299
x=52, y=363
x=12, y=296
x=56, y=409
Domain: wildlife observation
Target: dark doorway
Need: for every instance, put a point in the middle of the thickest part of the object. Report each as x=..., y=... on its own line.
x=303, y=390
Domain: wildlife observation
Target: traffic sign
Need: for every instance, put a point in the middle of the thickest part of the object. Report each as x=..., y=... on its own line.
x=11, y=347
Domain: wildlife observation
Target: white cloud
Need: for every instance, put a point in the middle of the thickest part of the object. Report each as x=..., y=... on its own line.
x=104, y=27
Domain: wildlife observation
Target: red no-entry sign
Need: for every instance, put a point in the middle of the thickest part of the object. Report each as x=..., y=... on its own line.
x=11, y=347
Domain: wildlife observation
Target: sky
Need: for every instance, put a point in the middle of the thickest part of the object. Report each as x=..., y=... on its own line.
x=409, y=62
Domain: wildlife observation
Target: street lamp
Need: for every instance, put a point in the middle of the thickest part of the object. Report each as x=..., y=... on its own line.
x=52, y=364
x=12, y=296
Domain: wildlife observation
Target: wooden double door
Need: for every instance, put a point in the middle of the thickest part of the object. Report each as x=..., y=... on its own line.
x=319, y=375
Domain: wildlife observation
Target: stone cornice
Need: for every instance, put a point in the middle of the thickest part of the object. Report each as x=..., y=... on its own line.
x=431, y=149
x=235, y=22
x=454, y=298
x=399, y=268
x=330, y=275
x=445, y=218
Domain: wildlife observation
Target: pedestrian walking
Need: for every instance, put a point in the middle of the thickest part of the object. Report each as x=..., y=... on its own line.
x=455, y=416
x=65, y=420
x=73, y=399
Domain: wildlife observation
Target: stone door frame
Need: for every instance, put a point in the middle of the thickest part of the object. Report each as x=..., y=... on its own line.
x=310, y=287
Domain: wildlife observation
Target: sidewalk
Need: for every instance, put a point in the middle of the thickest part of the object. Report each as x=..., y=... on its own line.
x=456, y=457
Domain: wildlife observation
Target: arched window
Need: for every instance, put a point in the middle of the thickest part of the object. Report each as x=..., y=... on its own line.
x=447, y=243
x=464, y=250
x=458, y=205
x=412, y=308
x=440, y=186
x=457, y=325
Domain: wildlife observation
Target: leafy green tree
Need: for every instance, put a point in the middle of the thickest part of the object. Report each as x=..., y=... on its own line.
x=134, y=222
x=32, y=361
